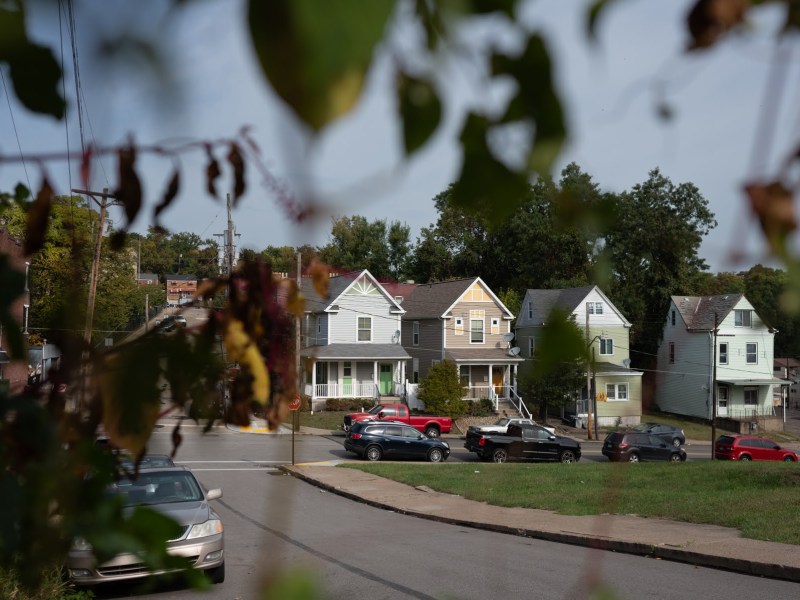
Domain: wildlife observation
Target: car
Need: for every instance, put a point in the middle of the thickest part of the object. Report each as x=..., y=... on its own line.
x=502, y=424
x=172, y=491
x=149, y=461
x=180, y=320
x=673, y=435
x=750, y=447
x=375, y=440
x=522, y=442
x=634, y=446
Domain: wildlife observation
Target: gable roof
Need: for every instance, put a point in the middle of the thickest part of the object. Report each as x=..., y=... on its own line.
x=435, y=300
x=698, y=311
x=567, y=299
x=337, y=286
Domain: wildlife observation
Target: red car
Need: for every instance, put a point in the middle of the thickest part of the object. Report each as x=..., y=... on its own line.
x=750, y=447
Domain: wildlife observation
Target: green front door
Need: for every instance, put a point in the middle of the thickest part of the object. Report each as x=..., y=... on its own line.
x=386, y=379
x=347, y=379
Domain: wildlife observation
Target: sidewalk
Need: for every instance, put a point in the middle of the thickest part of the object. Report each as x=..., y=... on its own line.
x=700, y=545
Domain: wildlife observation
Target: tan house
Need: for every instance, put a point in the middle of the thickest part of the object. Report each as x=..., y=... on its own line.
x=465, y=322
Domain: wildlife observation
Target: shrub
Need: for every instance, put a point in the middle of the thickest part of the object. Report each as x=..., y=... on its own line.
x=348, y=404
x=480, y=408
x=441, y=391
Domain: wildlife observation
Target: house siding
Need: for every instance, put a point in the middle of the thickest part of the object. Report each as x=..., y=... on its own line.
x=490, y=340
x=608, y=412
x=430, y=344
x=344, y=323
x=615, y=332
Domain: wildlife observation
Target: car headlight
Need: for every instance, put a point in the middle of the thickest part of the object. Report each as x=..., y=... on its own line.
x=446, y=445
x=210, y=527
x=81, y=544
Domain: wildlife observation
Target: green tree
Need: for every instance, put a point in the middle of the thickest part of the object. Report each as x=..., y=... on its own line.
x=554, y=378
x=441, y=390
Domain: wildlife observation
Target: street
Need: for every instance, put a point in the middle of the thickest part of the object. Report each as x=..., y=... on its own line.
x=276, y=522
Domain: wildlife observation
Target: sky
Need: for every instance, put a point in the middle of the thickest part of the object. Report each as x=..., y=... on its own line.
x=611, y=91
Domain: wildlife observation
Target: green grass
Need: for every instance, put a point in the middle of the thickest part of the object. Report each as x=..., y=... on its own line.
x=759, y=499
x=321, y=419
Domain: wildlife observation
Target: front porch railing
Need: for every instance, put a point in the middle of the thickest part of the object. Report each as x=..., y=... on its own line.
x=744, y=413
x=349, y=390
x=516, y=401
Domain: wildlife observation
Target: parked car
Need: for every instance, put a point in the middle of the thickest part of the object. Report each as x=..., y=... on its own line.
x=635, y=447
x=750, y=447
x=501, y=425
x=523, y=442
x=375, y=440
x=180, y=320
x=428, y=424
x=176, y=493
x=673, y=435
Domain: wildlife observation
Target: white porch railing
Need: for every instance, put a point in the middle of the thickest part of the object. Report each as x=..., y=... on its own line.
x=349, y=390
x=516, y=401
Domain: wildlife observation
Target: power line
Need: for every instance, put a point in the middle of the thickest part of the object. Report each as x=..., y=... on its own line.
x=16, y=134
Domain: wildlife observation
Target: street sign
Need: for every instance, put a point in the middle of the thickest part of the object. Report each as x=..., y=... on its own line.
x=601, y=396
x=295, y=404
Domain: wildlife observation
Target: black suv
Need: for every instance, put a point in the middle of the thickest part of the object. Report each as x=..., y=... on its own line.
x=635, y=447
x=667, y=433
x=375, y=440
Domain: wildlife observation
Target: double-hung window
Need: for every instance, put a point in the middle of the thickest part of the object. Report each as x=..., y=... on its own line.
x=364, y=329
x=723, y=353
x=606, y=346
x=671, y=352
x=415, y=333
x=594, y=308
x=476, y=326
x=743, y=318
x=750, y=396
x=751, y=350
x=616, y=392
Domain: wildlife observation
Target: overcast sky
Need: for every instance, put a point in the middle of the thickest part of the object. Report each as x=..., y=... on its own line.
x=611, y=92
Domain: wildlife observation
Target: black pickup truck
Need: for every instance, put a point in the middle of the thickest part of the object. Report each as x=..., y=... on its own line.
x=523, y=442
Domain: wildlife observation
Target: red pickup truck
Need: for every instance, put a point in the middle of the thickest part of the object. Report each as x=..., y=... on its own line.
x=429, y=425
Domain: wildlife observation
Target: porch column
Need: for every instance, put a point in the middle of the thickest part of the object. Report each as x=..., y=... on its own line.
x=314, y=382
x=374, y=375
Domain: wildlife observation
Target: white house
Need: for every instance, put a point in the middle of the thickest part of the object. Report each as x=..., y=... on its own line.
x=353, y=339
x=716, y=347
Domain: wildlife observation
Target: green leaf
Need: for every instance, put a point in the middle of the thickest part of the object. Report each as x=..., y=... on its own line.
x=316, y=54
x=593, y=15
x=536, y=99
x=420, y=109
x=34, y=71
x=486, y=186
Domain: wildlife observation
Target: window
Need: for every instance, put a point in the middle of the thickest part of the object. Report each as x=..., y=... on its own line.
x=364, y=329
x=347, y=369
x=476, y=324
x=530, y=347
x=723, y=353
x=671, y=352
x=530, y=309
x=743, y=318
x=751, y=396
x=606, y=346
x=673, y=318
x=463, y=375
x=722, y=392
x=495, y=325
x=415, y=333
x=594, y=308
x=616, y=392
x=319, y=324
x=415, y=370
x=751, y=349
x=459, y=326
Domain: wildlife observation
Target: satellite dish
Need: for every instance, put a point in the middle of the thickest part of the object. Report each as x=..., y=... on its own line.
x=507, y=337
x=627, y=362
x=396, y=337
x=514, y=351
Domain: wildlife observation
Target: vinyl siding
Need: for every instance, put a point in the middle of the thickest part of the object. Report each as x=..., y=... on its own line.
x=430, y=344
x=632, y=407
x=343, y=325
x=607, y=319
x=615, y=332
x=490, y=340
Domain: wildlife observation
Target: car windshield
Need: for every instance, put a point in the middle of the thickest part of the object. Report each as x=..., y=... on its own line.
x=375, y=409
x=161, y=487
x=502, y=422
x=642, y=427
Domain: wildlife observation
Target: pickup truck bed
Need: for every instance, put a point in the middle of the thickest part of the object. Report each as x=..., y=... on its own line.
x=523, y=442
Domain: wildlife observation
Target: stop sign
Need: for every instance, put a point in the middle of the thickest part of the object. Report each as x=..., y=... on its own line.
x=295, y=403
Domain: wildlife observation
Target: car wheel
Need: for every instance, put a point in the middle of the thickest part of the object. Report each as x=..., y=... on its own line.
x=435, y=455
x=432, y=432
x=217, y=575
x=500, y=455
x=788, y=459
x=374, y=453
x=567, y=456
x=633, y=457
x=675, y=457
x=745, y=458
x=676, y=442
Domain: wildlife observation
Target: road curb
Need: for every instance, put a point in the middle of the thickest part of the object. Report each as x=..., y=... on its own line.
x=700, y=559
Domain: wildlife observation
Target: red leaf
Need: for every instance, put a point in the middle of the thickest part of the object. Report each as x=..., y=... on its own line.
x=169, y=194
x=129, y=192
x=38, y=217
x=212, y=173
x=86, y=167
x=237, y=162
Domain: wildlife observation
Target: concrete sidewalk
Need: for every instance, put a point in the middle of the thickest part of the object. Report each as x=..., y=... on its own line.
x=701, y=545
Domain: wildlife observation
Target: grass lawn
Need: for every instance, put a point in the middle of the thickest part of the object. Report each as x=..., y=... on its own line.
x=759, y=499
x=324, y=419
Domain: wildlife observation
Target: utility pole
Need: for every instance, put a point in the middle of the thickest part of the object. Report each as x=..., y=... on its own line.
x=297, y=340
x=103, y=204
x=146, y=313
x=228, y=243
x=588, y=382
x=714, y=385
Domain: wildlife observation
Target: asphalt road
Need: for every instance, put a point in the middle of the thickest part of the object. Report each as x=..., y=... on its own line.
x=274, y=522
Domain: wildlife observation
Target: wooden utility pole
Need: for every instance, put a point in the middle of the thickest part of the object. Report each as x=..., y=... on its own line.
x=297, y=324
x=714, y=385
x=588, y=382
x=103, y=204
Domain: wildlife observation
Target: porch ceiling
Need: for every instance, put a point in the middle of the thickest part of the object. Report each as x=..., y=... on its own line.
x=356, y=352
x=772, y=381
x=482, y=355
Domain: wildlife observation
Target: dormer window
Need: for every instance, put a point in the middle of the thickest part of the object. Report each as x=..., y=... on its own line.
x=743, y=318
x=594, y=308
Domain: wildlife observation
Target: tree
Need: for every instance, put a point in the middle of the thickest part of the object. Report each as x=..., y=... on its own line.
x=555, y=378
x=441, y=390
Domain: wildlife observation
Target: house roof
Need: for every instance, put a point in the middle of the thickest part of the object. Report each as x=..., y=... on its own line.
x=148, y=276
x=434, y=300
x=336, y=287
x=356, y=352
x=567, y=299
x=482, y=355
x=698, y=311
x=607, y=368
x=175, y=277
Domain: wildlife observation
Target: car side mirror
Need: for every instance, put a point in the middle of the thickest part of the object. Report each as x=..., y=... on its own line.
x=214, y=494
x=551, y=437
x=421, y=436
x=380, y=415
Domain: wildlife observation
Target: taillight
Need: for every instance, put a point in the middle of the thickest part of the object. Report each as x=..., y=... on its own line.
x=355, y=436
x=623, y=445
x=482, y=441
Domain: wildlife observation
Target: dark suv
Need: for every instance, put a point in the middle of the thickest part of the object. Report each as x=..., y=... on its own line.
x=635, y=447
x=375, y=440
x=750, y=447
